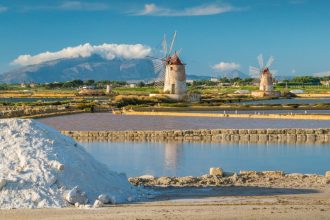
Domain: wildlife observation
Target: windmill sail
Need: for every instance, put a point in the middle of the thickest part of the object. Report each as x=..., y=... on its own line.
x=270, y=62
x=261, y=61
x=164, y=44
x=254, y=71
x=172, y=43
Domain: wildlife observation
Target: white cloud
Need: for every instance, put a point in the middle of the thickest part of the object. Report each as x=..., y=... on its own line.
x=3, y=8
x=77, y=5
x=208, y=9
x=69, y=6
x=224, y=66
x=107, y=51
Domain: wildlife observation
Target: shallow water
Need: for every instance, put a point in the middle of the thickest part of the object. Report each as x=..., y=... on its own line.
x=26, y=99
x=108, y=121
x=289, y=101
x=184, y=159
x=11, y=100
x=260, y=112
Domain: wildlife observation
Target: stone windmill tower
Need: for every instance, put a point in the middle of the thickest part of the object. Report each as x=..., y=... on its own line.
x=175, y=76
x=264, y=73
x=266, y=81
x=172, y=73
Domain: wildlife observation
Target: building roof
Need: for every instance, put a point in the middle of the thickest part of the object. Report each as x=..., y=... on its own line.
x=174, y=60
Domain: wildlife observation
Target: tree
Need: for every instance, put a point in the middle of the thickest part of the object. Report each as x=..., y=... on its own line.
x=306, y=80
x=89, y=82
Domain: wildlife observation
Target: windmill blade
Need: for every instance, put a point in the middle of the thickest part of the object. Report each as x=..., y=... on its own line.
x=172, y=43
x=164, y=44
x=156, y=58
x=254, y=71
x=179, y=51
x=261, y=61
x=159, y=81
x=158, y=65
x=270, y=62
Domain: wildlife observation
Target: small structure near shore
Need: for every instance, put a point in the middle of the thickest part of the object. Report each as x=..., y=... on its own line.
x=266, y=78
x=108, y=89
x=175, y=78
x=172, y=74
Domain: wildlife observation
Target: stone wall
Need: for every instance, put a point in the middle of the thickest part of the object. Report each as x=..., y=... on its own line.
x=217, y=135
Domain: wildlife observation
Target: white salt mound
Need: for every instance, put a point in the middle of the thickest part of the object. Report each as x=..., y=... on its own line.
x=39, y=167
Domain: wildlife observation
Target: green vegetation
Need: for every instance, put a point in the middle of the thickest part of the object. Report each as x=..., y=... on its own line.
x=213, y=93
x=132, y=100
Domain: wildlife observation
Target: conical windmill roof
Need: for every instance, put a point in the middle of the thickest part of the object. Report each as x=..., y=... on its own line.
x=175, y=60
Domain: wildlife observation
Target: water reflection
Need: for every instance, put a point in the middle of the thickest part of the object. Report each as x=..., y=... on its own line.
x=289, y=101
x=184, y=159
x=172, y=155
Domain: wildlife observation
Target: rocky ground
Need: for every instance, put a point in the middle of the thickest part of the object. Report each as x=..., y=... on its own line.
x=244, y=178
x=247, y=195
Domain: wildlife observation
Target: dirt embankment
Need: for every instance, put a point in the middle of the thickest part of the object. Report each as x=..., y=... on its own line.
x=244, y=178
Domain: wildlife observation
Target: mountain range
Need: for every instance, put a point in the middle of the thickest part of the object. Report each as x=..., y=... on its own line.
x=98, y=68
x=94, y=67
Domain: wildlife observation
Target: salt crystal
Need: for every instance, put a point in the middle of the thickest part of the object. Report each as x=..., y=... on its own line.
x=45, y=151
x=97, y=204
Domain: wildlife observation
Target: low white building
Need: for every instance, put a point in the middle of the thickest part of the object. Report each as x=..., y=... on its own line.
x=297, y=91
x=243, y=92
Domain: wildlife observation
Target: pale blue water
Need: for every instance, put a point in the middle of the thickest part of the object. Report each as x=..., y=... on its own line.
x=184, y=159
x=111, y=122
x=289, y=101
x=12, y=100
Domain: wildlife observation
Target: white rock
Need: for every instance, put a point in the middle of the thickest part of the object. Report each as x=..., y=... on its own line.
x=147, y=177
x=3, y=183
x=248, y=172
x=296, y=175
x=56, y=165
x=87, y=206
x=97, y=204
x=76, y=196
x=327, y=175
x=104, y=198
x=216, y=171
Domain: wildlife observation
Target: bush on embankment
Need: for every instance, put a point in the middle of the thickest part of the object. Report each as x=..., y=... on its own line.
x=132, y=100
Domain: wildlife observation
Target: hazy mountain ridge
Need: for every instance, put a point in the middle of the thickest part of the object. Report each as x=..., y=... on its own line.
x=234, y=74
x=93, y=67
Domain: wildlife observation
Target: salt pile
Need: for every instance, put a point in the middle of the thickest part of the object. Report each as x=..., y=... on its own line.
x=39, y=167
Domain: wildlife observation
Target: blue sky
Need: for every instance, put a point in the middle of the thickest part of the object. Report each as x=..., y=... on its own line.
x=230, y=33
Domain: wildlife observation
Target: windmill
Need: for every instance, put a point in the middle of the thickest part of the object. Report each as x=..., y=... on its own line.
x=264, y=73
x=170, y=69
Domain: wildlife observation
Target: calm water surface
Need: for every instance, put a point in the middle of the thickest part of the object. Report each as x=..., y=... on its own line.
x=184, y=159
x=108, y=121
x=290, y=101
x=285, y=112
x=10, y=100
x=33, y=99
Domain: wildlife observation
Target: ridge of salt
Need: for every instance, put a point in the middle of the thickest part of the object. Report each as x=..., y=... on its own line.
x=38, y=165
